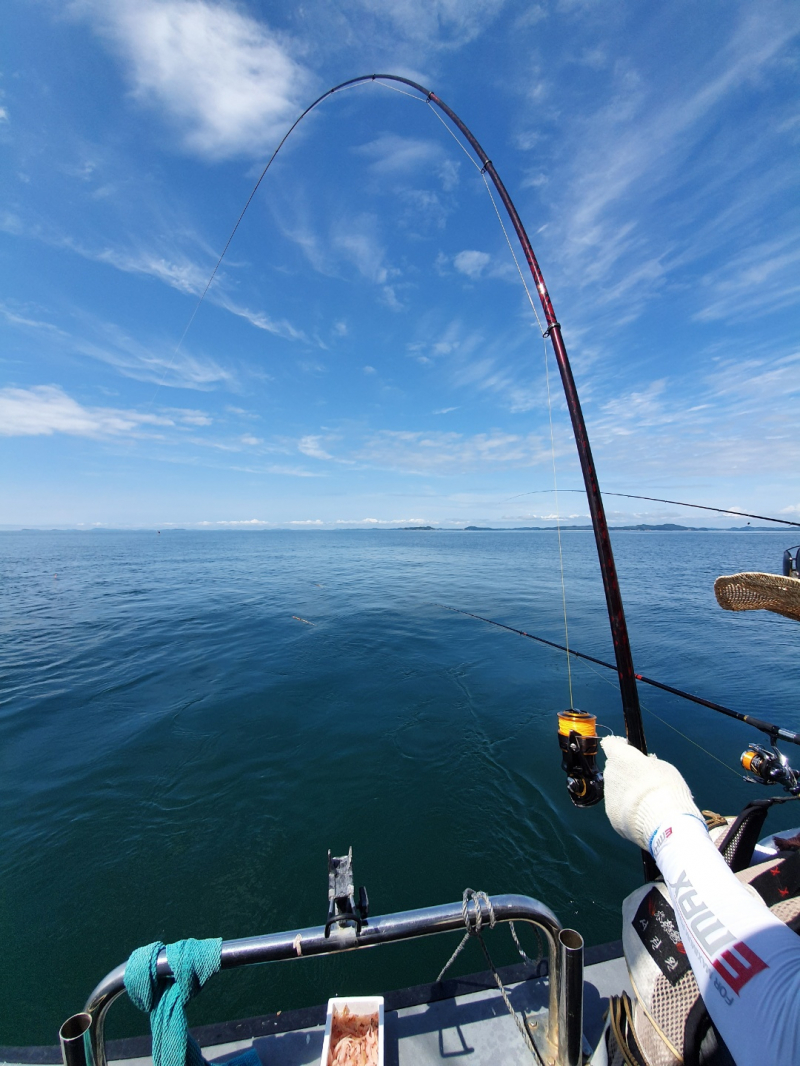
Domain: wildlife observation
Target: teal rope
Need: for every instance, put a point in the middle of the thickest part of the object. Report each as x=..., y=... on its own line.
x=192, y=963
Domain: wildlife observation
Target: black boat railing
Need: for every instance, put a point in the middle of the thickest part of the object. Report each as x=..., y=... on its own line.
x=82, y=1035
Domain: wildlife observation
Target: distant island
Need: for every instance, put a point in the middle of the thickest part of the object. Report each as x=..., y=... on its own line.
x=668, y=526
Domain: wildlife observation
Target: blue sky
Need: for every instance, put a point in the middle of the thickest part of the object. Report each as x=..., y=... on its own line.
x=367, y=354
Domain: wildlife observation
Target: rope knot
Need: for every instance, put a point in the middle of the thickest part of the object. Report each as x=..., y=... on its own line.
x=474, y=921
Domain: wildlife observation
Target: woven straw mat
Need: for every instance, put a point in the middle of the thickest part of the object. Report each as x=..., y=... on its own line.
x=759, y=592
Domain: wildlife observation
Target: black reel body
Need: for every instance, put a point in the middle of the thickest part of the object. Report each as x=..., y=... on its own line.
x=577, y=738
x=791, y=563
x=769, y=766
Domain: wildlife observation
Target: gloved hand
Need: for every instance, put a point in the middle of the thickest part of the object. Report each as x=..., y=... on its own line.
x=641, y=791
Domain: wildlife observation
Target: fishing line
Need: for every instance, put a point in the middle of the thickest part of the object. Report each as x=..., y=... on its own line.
x=411, y=96
x=678, y=503
x=549, y=416
x=558, y=521
x=242, y=213
x=452, y=134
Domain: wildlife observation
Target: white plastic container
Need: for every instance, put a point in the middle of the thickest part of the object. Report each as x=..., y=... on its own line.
x=362, y=1005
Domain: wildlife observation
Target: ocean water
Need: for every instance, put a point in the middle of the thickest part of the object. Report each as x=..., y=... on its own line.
x=179, y=751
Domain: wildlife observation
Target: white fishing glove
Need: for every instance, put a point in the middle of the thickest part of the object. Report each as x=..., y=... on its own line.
x=642, y=792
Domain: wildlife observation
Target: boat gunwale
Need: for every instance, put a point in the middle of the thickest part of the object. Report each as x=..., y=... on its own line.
x=217, y=1033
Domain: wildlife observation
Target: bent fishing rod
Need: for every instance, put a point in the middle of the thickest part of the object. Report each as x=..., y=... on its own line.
x=631, y=710
x=634, y=728
x=775, y=732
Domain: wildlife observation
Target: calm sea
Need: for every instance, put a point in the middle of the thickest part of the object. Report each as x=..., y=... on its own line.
x=179, y=751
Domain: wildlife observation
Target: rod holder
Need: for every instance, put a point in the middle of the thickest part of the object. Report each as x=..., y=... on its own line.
x=570, y=998
x=74, y=1037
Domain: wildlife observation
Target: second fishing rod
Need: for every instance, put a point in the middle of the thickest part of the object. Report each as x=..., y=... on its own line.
x=775, y=732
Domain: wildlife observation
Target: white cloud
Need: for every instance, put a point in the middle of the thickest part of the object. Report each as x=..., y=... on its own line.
x=158, y=362
x=187, y=417
x=226, y=80
x=381, y=521
x=637, y=410
x=311, y=446
x=178, y=271
x=46, y=409
x=279, y=328
x=447, y=453
x=291, y=471
x=658, y=130
x=764, y=277
x=500, y=365
x=174, y=268
x=396, y=157
x=4, y=115
x=237, y=523
x=472, y=263
x=155, y=362
x=356, y=239
x=437, y=23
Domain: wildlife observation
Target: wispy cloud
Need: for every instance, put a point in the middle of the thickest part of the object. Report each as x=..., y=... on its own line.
x=736, y=420
x=226, y=81
x=352, y=240
x=446, y=453
x=46, y=409
x=236, y=523
x=381, y=521
x=174, y=267
x=357, y=240
x=657, y=131
x=472, y=263
x=156, y=361
x=436, y=24
x=311, y=446
x=475, y=265
x=394, y=157
x=486, y=366
x=762, y=279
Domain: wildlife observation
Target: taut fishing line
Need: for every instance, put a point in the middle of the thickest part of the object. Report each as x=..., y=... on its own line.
x=238, y=222
x=552, y=436
x=522, y=278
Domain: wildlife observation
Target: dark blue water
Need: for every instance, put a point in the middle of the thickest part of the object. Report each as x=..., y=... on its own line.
x=178, y=752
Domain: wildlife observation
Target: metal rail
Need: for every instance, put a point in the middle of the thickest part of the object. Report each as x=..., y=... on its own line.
x=83, y=1044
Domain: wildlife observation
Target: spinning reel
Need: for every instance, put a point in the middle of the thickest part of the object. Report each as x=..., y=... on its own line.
x=791, y=563
x=770, y=767
x=577, y=738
